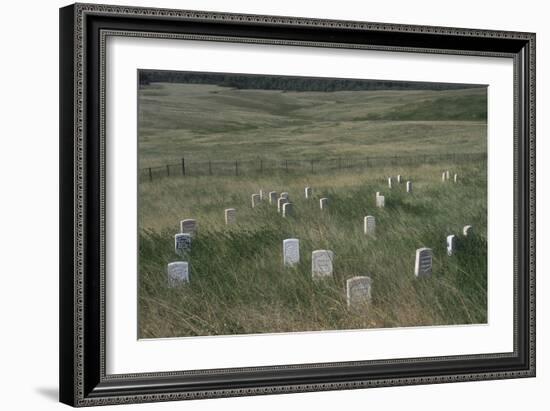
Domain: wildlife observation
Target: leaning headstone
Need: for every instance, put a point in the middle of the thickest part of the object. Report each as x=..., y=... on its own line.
x=291, y=251
x=369, y=225
x=182, y=243
x=255, y=198
x=409, y=187
x=280, y=203
x=307, y=192
x=323, y=203
x=467, y=230
x=230, y=216
x=188, y=225
x=358, y=290
x=178, y=273
x=390, y=182
x=272, y=197
x=451, y=244
x=284, y=194
x=399, y=178
x=380, y=201
x=288, y=209
x=321, y=263
x=423, y=263
x=455, y=178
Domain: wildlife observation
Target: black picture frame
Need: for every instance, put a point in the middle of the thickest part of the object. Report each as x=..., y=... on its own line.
x=83, y=29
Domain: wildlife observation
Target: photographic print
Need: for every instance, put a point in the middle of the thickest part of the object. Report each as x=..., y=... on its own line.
x=277, y=204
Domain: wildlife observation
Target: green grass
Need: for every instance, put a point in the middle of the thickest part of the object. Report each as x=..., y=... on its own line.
x=238, y=282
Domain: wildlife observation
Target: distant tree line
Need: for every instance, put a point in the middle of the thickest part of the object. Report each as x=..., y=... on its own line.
x=290, y=83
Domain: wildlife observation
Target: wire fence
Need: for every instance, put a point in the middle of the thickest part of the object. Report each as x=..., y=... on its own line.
x=188, y=167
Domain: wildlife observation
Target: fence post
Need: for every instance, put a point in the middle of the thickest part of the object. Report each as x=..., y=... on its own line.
x=236, y=167
x=182, y=166
x=210, y=167
x=150, y=174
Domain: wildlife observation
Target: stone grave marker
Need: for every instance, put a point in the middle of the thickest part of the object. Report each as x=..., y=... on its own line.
x=390, y=182
x=178, y=273
x=399, y=178
x=467, y=230
x=284, y=194
x=280, y=203
x=447, y=175
x=308, y=192
x=380, y=201
x=451, y=244
x=321, y=263
x=291, y=252
x=369, y=225
x=323, y=203
x=423, y=263
x=409, y=187
x=189, y=225
x=230, y=216
x=443, y=177
x=272, y=197
x=261, y=192
x=358, y=291
x=288, y=209
x=455, y=178
x=182, y=243
x=255, y=198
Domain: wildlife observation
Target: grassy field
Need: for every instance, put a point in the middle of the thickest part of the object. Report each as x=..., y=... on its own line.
x=238, y=282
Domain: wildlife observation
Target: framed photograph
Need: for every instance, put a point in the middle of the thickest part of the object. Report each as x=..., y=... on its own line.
x=262, y=204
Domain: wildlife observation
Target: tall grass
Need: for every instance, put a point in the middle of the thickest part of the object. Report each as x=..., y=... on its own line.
x=240, y=286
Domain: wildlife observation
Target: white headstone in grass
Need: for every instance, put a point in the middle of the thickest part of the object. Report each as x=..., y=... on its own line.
x=399, y=178
x=284, y=194
x=288, y=209
x=323, y=203
x=358, y=291
x=182, y=243
x=390, y=182
x=369, y=225
x=307, y=192
x=455, y=178
x=423, y=263
x=188, y=225
x=291, y=251
x=280, y=203
x=261, y=192
x=467, y=230
x=451, y=244
x=255, y=199
x=378, y=194
x=409, y=187
x=178, y=273
x=443, y=177
x=272, y=197
x=321, y=263
x=230, y=216
x=380, y=201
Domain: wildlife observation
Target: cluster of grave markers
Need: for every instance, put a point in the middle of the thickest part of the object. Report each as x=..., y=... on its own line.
x=358, y=288
x=446, y=176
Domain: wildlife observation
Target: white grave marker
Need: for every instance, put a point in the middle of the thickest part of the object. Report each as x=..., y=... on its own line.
x=261, y=195
x=369, y=225
x=272, y=197
x=443, y=177
x=467, y=230
x=323, y=203
x=399, y=178
x=448, y=175
x=307, y=192
x=182, y=243
x=280, y=203
x=284, y=194
x=288, y=209
x=390, y=182
x=291, y=251
x=423, y=263
x=188, y=225
x=358, y=290
x=409, y=187
x=178, y=273
x=321, y=263
x=255, y=198
x=230, y=216
x=451, y=244
x=455, y=178
x=380, y=201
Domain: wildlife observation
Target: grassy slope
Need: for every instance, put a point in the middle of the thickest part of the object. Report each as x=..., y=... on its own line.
x=238, y=282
